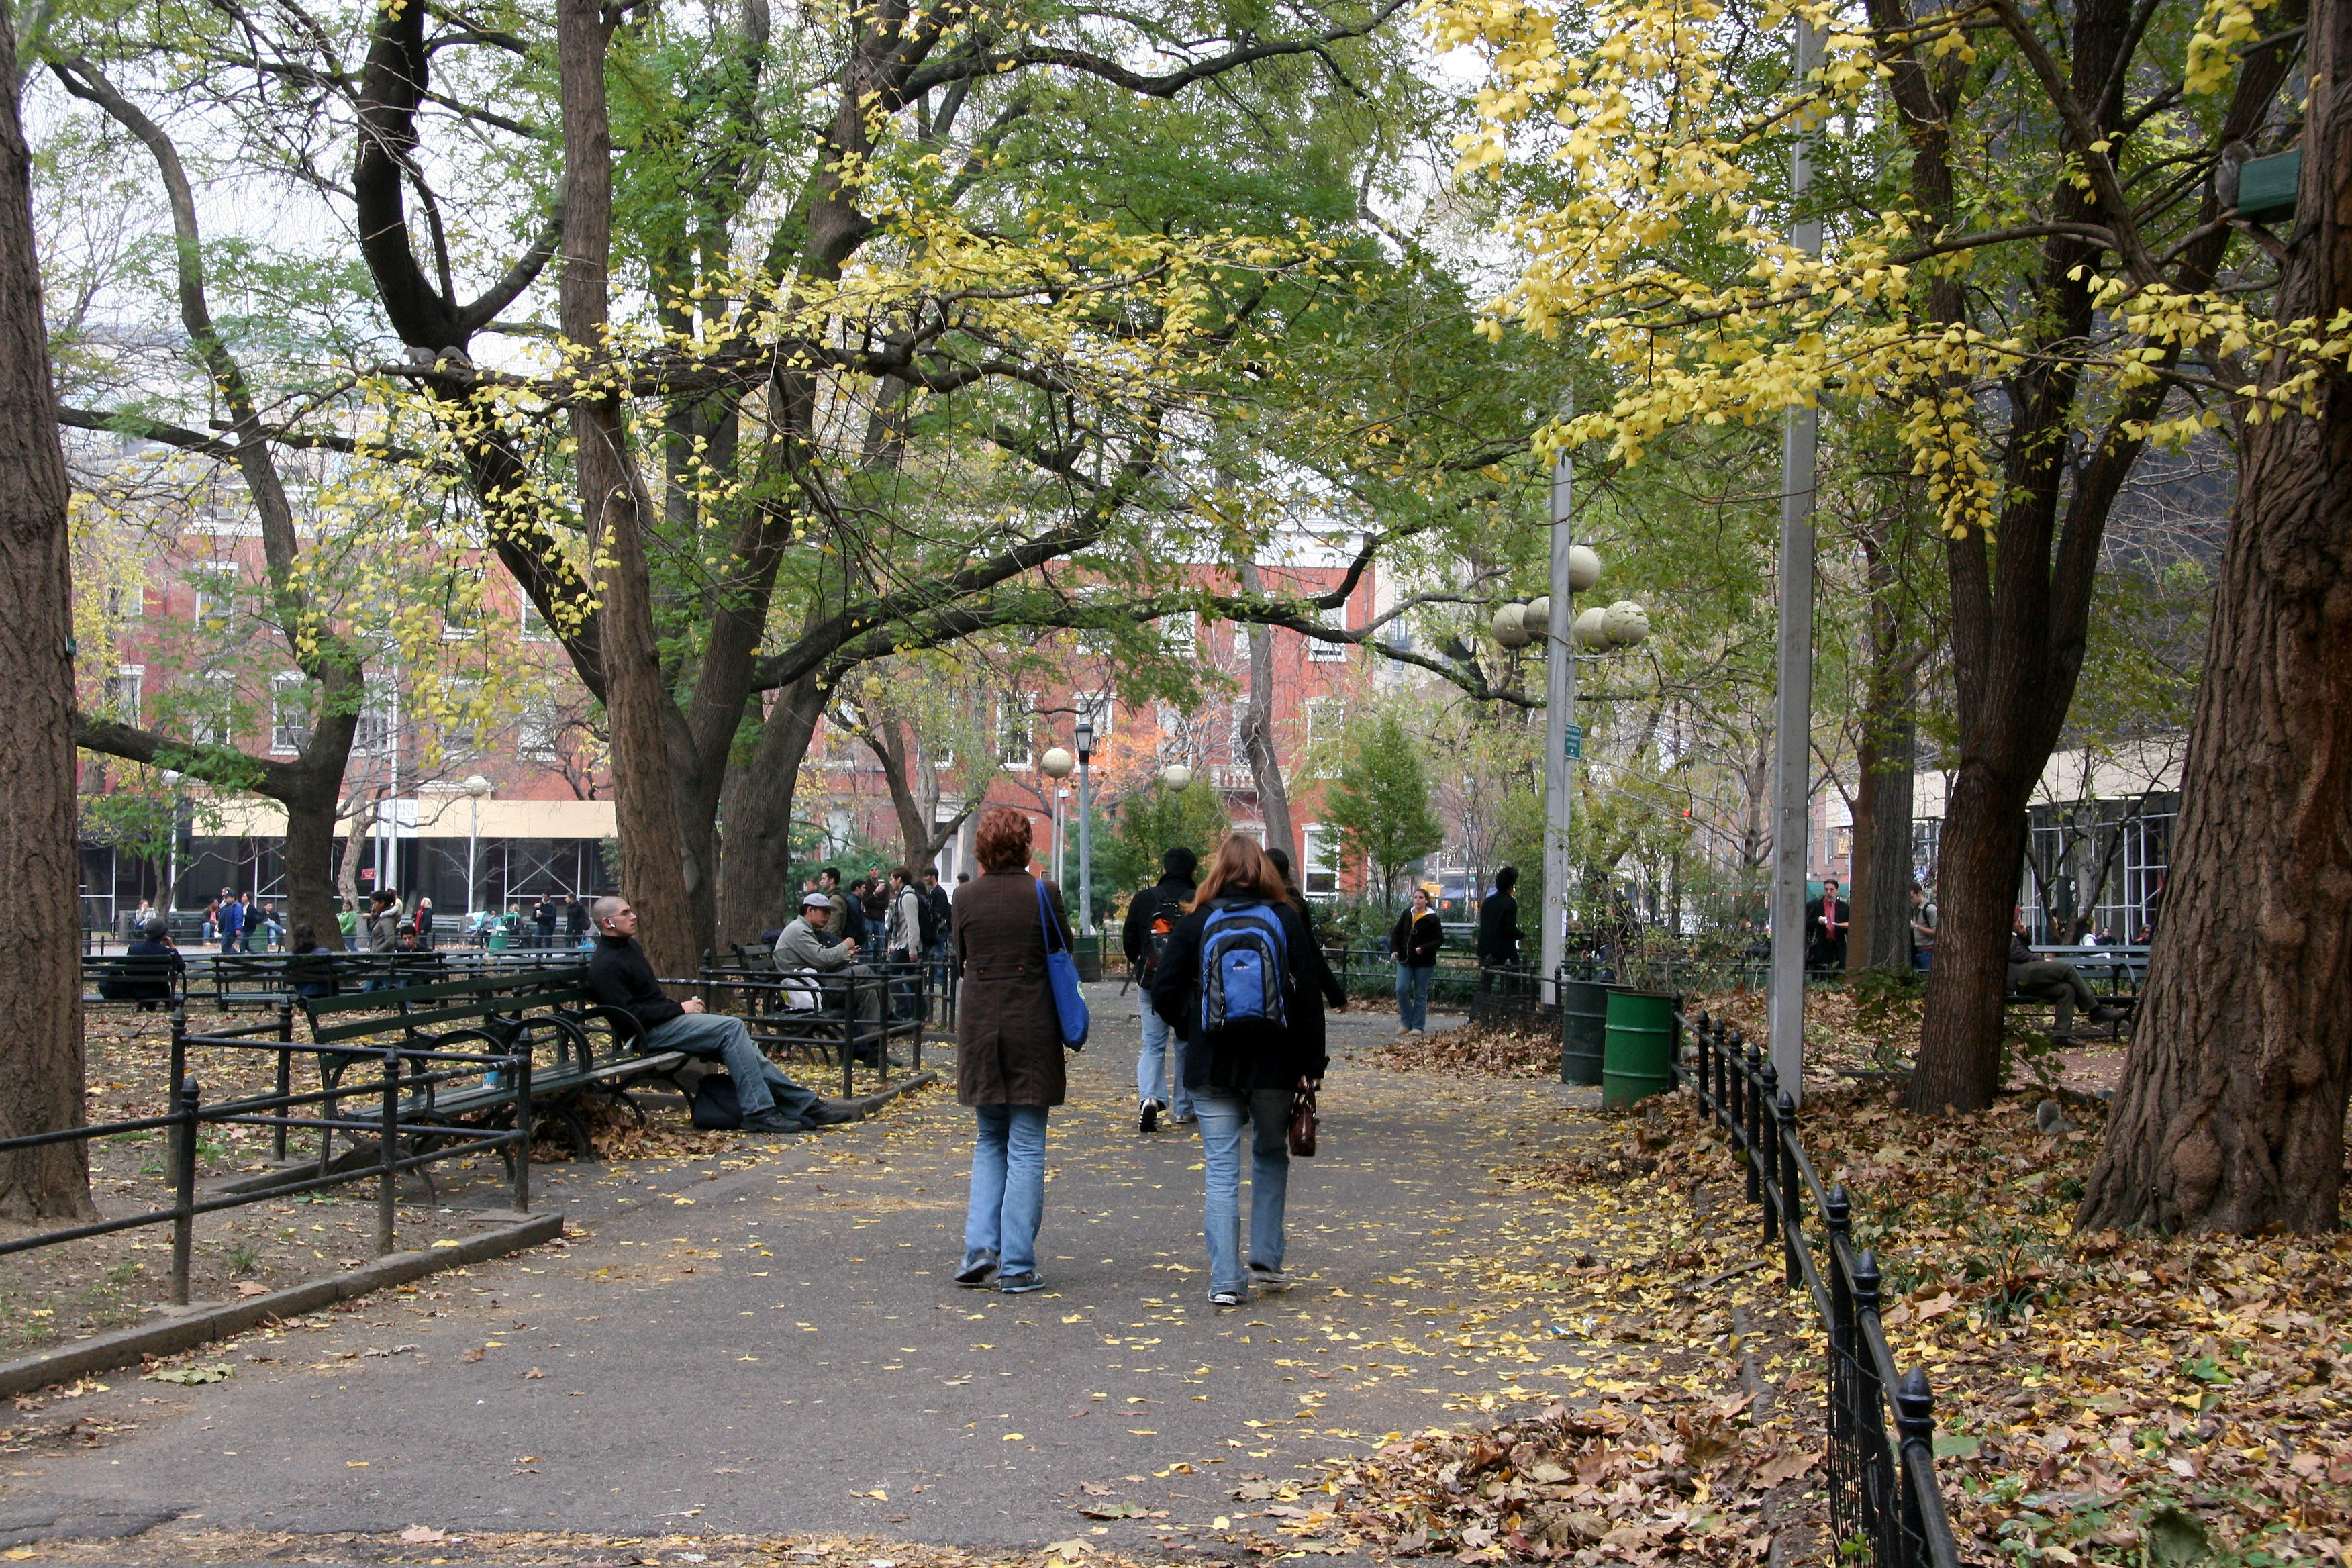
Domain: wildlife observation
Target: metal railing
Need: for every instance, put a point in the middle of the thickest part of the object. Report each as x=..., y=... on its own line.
x=1884, y=1496
x=406, y=1070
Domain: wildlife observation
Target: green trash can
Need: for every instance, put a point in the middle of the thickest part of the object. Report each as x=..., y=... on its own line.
x=1639, y=1048
x=1584, y=1022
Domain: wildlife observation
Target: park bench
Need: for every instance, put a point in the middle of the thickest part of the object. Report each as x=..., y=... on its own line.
x=2121, y=970
x=591, y=1051
x=149, y=983
x=813, y=1017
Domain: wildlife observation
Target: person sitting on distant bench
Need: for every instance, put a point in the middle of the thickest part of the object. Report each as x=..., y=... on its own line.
x=151, y=955
x=2052, y=980
x=619, y=976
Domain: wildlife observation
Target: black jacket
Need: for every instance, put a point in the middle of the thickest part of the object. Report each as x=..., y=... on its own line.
x=619, y=976
x=1241, y=1059
x=1416, y=942
x=1498, y=929
x=1170, y=893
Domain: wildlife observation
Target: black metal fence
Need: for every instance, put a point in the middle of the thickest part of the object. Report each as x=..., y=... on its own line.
x=1883, y=1497
x=406, y=1071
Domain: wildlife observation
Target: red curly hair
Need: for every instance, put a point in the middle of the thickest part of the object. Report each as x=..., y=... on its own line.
x=1002, y=841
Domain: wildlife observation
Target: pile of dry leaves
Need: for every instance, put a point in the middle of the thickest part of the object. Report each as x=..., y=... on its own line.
x=1474, y=1051
x=655, y=1131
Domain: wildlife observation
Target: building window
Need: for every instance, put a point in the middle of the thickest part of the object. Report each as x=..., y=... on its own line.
x=534, y=625
x=536, y=730
x=213, y=722
x=289, y=712
x=1322, y=847
x=1097, y=708
x=1321, y=652
x=1181, y=633
x=374, y=735
x=1014, y=726
x=121, y=692
x=215, y=596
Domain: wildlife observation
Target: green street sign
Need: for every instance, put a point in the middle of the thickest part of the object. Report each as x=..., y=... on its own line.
x=1574, y=742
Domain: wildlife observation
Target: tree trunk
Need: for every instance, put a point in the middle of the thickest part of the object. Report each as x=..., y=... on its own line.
x=40, y=1041
x=1958, y=1066
x=2230, y=1116
x=656, y=861
x=1882, y=842
x=755, y=879
x=1257, y=734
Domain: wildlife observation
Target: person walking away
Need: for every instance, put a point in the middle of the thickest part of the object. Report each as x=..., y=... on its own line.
x=942, y=910
x=1236, y=973
x=902, y=941
x=1827, y=919
x=1319, y=985
x=1922, y=929
x=1151, y=917
x=1498, y=926
x=2052, y=980
x=383, y=932
x=620, y=975
x=1008, y=1050
x=1413, y=944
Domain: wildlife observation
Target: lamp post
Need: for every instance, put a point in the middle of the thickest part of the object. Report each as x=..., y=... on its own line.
x=1553, y=619
x=476, y=787
x=1085, y=736
x=1055, y=765
x=171, y=854
x=1176, y=776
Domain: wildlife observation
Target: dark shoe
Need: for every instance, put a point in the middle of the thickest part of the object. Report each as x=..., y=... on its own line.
x=1268, y=1280
x=2103, y=1013
x=1150, y=1121
x=1021, y=1284
x=832, y=1112
x=976, y=1272
x=774, y=1121
x=1186, y=1119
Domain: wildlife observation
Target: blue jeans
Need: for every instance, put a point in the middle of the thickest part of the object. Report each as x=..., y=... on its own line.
x=1162, y=1060
x=1267, y=1110
x=1412, y=994
x=759, y=1086
x=1008, y=1186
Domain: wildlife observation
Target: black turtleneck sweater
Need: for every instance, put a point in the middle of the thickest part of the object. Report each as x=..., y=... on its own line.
x=619, y=976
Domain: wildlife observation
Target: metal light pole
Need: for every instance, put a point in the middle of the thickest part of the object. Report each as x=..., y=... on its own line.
x=1055, y=765
x=476, y=787
x=1794, y=709
x=1086, y=736
x=172, y=855
x=1560, y=730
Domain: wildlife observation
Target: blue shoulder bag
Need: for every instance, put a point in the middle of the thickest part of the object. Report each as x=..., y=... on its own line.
x=1062, y=970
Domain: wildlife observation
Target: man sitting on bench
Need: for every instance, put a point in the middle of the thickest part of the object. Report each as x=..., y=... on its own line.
x=619, y=976
x=146, y=977
x=800, y=948
x=2052, y=980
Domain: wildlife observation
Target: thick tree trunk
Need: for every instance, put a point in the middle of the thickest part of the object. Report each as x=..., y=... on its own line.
x=40, y=1029
x=656, y=865
x=2230, y=1116
x=755, y=880
x=1881, y=845
x=1958, y=1065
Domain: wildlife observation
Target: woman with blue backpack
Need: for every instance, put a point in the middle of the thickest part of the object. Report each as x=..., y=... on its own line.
x=1236, y=975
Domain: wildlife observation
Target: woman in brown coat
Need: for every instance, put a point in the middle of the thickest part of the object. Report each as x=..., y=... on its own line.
x=1008, y=1051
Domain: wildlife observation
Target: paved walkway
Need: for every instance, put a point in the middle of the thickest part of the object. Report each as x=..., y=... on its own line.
x=769, y=1343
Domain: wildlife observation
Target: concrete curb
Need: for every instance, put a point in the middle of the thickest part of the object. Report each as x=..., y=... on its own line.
x=868, y=1104
x=104, y=1352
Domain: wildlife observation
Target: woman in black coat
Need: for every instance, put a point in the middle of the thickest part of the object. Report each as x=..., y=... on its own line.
x=1250, y=1070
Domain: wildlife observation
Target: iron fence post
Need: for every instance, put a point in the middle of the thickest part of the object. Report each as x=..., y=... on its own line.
x=1914, y=1419
x=388, y=1178
x=1845, y=1342
x=1706, y=1079
x=1784, y=1138
x=1750, y=1122
x=521, y=1060
x=184, y=1179
x=1764, y=1144
x=1869, y=1434
x=1726, y=1047
x=285, y=1077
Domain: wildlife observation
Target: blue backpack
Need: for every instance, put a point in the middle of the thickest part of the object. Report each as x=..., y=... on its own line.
x=1243, y=966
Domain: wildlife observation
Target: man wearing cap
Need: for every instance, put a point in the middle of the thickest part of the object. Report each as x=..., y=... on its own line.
x=619, y=976
x=800, y=950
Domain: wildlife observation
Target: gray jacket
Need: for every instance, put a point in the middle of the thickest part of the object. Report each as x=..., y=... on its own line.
x=798, y=948
x=905, y=929
x=384, y=932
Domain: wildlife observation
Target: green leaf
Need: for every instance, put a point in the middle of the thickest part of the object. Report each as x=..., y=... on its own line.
x=2176, y=1539
x=1952, y=1446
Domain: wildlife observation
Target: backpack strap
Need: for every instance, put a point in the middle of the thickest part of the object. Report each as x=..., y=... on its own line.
x=1045, y=918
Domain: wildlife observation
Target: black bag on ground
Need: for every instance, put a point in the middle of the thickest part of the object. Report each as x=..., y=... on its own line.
x=716, y=1109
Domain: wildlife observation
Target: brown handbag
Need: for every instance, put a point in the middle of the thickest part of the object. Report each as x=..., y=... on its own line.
x=1302, y=1124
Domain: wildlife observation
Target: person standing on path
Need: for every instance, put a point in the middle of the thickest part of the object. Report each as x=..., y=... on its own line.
x=1237, y=973
x=1151, y=917
x=232, y=922
x=423, y=925
x=1827, y=921
x=1922, y=929
x=902, y=941
x=1318, y=985
x=1008, y=1051
x=383, y=932
x=1498, y=925
x=1413, y=944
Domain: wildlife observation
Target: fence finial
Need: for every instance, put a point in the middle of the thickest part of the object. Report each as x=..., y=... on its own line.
x=1865, y=1282
x=1915, y=1407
